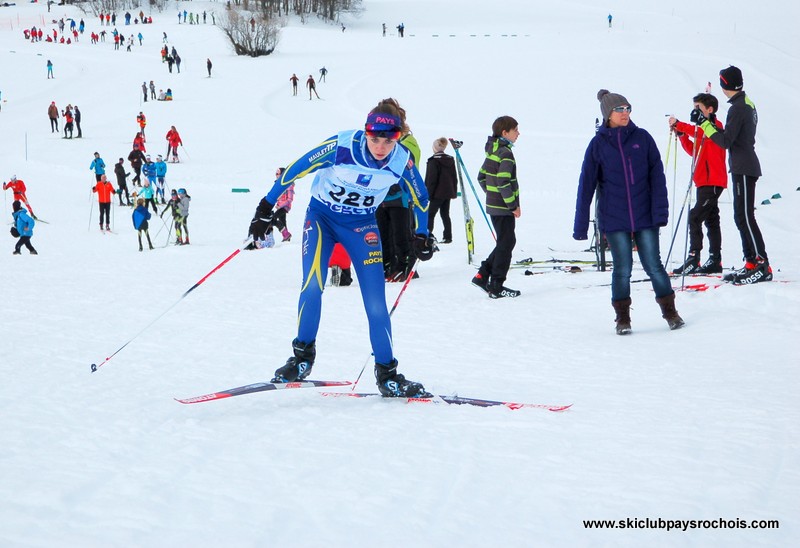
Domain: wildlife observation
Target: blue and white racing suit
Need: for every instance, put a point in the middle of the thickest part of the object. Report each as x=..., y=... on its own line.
x=348, y=187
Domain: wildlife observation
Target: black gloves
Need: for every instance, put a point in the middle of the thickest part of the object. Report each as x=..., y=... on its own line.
x=262, y=220
x=423, y=247
x=697, y=117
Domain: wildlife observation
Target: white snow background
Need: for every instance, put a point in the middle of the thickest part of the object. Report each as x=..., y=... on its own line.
x=696, y=424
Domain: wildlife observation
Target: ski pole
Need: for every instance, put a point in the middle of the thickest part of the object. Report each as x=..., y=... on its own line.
x=91, y=209
x=686, y=197
x=475, y=193
x=95, y=367
x=394, y=307
x=186, y=152
x=169, y=233
x=164, y=224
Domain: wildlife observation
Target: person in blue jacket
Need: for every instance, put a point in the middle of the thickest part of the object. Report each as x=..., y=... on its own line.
x=623, y=166
x=141, y=218
x=147, y=193
x=161, y=177
x=98, y=166
x=149, y=171
x=354, y=171
x=24, y=225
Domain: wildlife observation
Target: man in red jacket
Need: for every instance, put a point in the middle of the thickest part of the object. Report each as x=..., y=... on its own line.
x=105, y=190
x=17, y=186
x=711, y=178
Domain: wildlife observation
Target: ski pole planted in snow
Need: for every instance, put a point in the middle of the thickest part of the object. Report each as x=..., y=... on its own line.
x=95, y=367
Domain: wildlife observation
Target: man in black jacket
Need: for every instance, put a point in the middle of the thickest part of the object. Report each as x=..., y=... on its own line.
x=739, y=138
x=136, y=158
x=442, y=183
x=122, y=185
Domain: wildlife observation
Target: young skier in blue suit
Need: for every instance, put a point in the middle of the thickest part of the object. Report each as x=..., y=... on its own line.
x=354, y=171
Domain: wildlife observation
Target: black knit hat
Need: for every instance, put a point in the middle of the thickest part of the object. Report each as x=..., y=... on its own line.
x=610, y=101
x=16, y=206
x=731, y=79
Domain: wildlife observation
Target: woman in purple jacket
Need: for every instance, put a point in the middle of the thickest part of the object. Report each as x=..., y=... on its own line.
x=623, y=165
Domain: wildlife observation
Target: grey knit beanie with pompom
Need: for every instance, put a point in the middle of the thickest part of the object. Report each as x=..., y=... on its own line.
x=609, y=101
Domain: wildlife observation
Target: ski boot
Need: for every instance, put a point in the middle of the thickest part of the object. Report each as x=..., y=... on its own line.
x=481, y=281
x=392, y=385
x=760, y=272
x=690, y=265
x=712, y=266
x=499, y=291
x=286, y=235
x=298, y=367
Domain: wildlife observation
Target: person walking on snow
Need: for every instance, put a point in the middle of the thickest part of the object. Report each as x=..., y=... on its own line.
x=342, y=163
x=50, y=69
x=98, y=166
x=623, y=165
x=23, y=223
x=141, y=119
x=104, y=190
x=294, y=79
x=140, y=217
x=149, y=171
x=122, y=184
x=173, y=142
x=136, y=157
x=312, y=87
x=148, y=194
x=181, y=216
x=19, y=189
x=710, y=178
x=161, y=176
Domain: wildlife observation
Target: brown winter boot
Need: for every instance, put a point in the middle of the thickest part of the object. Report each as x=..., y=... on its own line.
x=668, y=311
x=623, y=319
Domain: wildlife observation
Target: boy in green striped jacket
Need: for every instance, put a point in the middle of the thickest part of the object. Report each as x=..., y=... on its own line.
x=498, y=178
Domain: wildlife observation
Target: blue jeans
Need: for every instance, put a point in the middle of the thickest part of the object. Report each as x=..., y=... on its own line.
x=650, y=256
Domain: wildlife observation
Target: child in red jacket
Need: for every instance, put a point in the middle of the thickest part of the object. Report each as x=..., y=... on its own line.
x=711, y=178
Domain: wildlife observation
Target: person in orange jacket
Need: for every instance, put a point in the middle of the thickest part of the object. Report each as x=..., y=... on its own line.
x=141, y=119
x=105, y=190
x=18, y=187
x=173, y=141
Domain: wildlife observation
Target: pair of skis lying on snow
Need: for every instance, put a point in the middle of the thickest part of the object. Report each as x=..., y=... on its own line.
x=452, y=400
